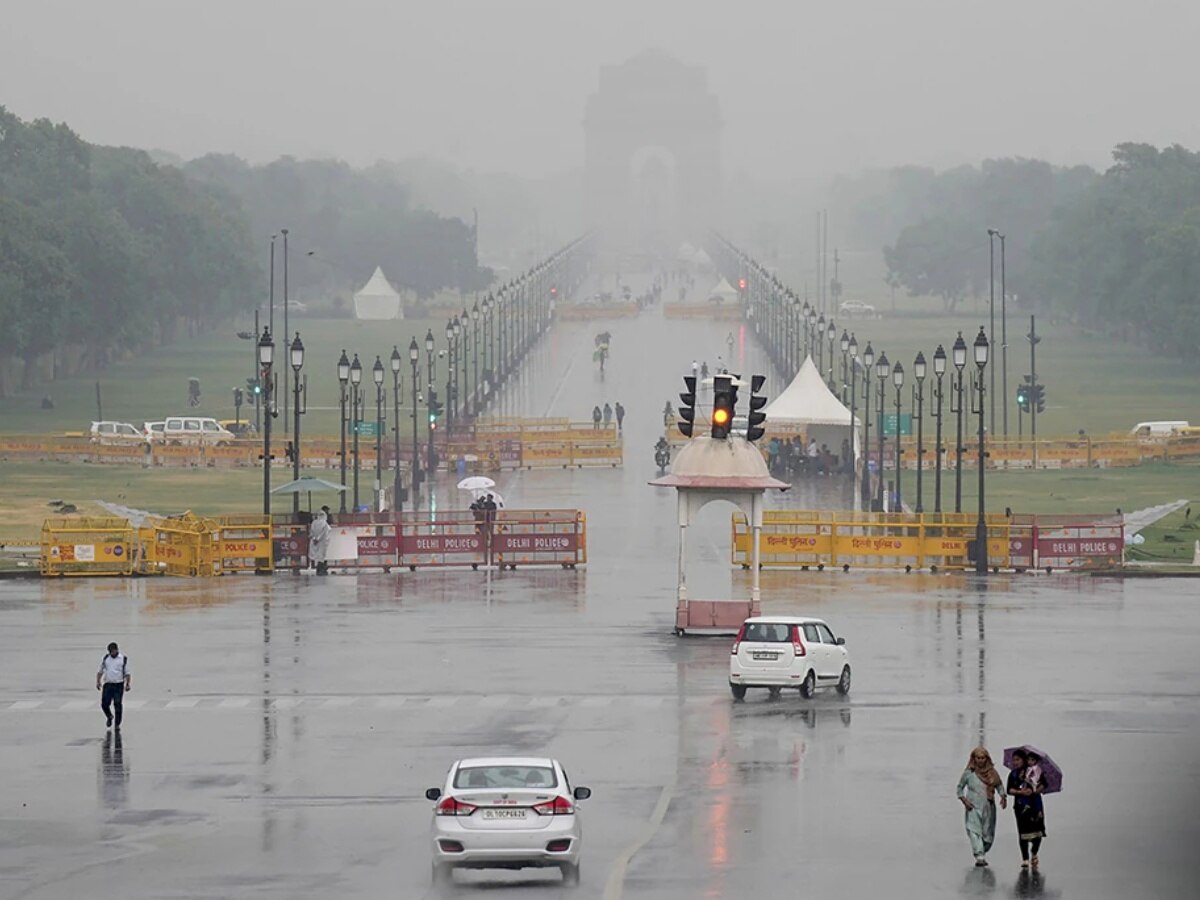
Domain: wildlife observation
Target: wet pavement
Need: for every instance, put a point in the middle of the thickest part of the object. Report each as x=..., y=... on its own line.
x=281, y=732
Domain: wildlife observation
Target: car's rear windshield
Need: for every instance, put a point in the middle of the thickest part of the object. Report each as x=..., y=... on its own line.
x=768, y=632
x=505, y=777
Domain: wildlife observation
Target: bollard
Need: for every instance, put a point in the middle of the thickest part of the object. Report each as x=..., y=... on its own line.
x=1196, y=555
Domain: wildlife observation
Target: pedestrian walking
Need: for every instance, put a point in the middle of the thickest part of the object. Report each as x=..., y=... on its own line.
x=596, y=418
x=977, y=789
x=695, y=368
x=1025, y=786
x=668, y=411
x=112, y=680
x=620, y=411
x=607, y=415
x=704, y=370
x=319, y=533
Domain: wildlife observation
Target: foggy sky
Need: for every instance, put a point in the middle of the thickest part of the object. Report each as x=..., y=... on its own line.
x=819, y=88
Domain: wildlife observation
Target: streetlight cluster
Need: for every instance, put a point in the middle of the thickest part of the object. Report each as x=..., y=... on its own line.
x=792, y=330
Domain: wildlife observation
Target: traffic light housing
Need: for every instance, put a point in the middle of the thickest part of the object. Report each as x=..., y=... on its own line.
x=724, y=406
x=435, y=409
x=238, y=398
x=742, y=284
x=754, y=416
x=253, y=387
x=687, y=406
x=1039, y=397
x=1023, y=393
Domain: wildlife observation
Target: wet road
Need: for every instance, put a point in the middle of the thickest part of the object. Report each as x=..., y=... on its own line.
x=281, y=732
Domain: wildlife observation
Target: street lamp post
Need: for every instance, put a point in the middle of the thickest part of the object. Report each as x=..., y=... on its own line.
x=266, y=356
x=992, y=234
x=430, y=468
x=981, y=548
x=284, y=232
x=414, y=357
x=939, y=369
x=464, y=358
x=852, y=350
x=1003, y=337
x=844, y=343
x=355, y=404
x=831, y=335
x=919, y=398
x=377, y=375
x=459, y=347
x=397, y=386
x=898, y=382
x=959, y=351
x=475, y=354
x=868, y=362
x=450, y=370
x=343, y=374
x=818, y=336
x=882, y=370
x=297, y=361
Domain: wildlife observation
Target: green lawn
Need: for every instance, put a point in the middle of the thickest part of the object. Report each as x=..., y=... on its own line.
x=1172, y=539
x=156, y=385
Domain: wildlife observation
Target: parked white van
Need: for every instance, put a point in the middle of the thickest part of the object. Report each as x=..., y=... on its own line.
x=1158, y=429
x=195, y=430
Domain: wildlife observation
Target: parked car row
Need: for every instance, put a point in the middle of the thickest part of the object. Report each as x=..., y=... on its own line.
x=172, y=430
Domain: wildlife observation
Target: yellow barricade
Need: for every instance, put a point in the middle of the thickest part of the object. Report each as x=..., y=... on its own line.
x=702, y=311
x=805, y=539
x=184, y=545
x=548, y=454
x=599, y=453
x=607, y=311
x=245, y=544
x=87, y=546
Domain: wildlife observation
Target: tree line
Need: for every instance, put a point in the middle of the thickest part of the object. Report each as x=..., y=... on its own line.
x=1117, y=251
x=105, y=252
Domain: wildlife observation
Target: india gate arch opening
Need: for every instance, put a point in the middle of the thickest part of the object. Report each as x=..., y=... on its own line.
x=653, y=154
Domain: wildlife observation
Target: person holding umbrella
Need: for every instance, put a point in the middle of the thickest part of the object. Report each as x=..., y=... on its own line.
x=1032, y=774
x=977, y=789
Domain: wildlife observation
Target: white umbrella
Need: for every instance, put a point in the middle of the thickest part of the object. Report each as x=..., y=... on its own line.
x=476, y=483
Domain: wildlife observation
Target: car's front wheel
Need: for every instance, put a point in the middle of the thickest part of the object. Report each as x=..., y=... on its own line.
x=441, y=873
x=570, y=873
x=843, y=685
x=738, y=691
x=809, y=686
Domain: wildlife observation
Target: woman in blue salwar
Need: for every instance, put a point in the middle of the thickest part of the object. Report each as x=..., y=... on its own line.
x=977, y=790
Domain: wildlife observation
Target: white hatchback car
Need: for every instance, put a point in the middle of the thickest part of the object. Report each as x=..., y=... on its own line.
x=775, y=652
x=507, y=813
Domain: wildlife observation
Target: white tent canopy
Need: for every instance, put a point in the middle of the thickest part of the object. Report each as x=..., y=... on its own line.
x=724, y=291
x=808, y=401
x=377, y=299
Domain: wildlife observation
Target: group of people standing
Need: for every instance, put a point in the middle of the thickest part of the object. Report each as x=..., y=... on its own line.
x=790, y=458
x=606, y=415
x=977, y=790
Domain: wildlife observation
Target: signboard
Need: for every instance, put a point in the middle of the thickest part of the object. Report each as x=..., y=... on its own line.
x=367, y=429
x=535, y=543
x=296, y=545
x=1072, y=547
x=245, y=548
x=377, y=545
x=889, y=424
x=439, y=544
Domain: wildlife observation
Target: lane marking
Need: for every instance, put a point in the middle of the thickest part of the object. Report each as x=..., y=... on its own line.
x=616, y=875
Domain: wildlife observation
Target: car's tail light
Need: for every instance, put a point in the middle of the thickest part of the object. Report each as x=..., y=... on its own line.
x=559, y=806
x=450, y=846
x=737, y=641
x=797, y=644
x=559, y=846
x=452, y=806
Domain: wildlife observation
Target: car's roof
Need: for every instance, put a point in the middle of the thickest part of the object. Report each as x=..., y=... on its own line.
x=787, y=620
x=506, y=761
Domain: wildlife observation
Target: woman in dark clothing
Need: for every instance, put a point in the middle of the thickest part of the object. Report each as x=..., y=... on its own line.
x=1026, y=790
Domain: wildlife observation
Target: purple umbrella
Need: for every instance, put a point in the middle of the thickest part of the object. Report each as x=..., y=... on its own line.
x=1051, y=773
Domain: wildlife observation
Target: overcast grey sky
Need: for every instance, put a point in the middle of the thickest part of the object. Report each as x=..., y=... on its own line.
x=818, y=87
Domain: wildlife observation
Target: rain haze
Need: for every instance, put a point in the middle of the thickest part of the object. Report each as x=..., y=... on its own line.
x=765, y=432
x=804, y=87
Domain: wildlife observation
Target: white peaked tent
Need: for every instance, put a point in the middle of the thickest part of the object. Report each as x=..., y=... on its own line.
x=724, y=292
x=808, y=401
x=377, y=299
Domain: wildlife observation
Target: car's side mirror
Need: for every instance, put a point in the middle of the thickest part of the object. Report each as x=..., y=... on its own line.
x=433, y=794
x=841, y=642
x=582, y=793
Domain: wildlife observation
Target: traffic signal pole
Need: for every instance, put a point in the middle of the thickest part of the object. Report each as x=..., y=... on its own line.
x=1033, y=404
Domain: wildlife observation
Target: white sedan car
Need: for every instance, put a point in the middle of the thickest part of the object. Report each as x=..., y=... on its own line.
x=507, y=813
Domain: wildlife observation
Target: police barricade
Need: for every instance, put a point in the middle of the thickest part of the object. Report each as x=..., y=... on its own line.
x=186, y=545
x=816, y=539
x=1075, y=542
x=596, y=453
x=509, y=539
x=87, y=546
x=702, y=311
x=599, y=311
x=545, y=454
x=356, y=541
x=245, y=544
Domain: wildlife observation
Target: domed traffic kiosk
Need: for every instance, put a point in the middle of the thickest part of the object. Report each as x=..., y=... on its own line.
x=710, y=469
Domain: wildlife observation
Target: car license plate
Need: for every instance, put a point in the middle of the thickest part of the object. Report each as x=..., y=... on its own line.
x=504, y=813
x=766, y=656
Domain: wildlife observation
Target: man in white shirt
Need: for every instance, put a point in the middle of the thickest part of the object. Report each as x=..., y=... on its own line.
x=112, y=680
